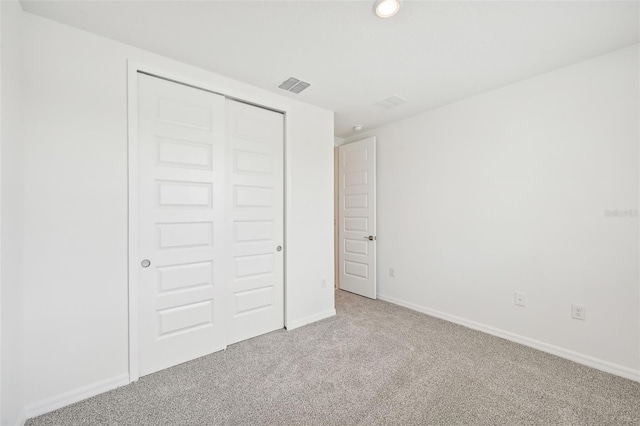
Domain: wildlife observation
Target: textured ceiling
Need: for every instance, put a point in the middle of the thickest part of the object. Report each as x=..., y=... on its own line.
x=431, y=53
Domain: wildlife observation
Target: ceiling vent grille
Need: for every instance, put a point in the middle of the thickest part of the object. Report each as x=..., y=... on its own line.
x=293, y=85
x=391, y=102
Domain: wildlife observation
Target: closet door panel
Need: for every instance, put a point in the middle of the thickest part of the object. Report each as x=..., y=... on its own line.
x=255, y=171
x=181, y=226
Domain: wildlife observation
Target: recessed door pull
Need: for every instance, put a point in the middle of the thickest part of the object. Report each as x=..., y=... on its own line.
x=279, y=248
x=145, y=263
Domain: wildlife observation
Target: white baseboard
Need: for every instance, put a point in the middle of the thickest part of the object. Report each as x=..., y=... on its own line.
x=76, y=395
x=606, y=366
x=311, y=318
x=68, y=398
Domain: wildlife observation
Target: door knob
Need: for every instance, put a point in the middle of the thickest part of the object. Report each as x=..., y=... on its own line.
x=145, y=263
x=279, y=248
x=370, y=238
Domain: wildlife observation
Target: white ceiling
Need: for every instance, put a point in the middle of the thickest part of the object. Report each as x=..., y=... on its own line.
x=431, y=53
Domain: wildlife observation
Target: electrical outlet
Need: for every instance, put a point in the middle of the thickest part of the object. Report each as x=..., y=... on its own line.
x=392, y=272
x=520, y=299
x=323, y=283
x=578, y=312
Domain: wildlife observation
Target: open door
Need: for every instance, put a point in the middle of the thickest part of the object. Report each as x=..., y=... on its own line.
x=357, y=217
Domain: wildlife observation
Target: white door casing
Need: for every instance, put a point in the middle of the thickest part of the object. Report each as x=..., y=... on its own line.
x=181, y=160
x=255, y=176
x=357, y=217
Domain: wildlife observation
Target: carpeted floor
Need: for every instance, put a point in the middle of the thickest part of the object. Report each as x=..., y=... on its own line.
x=373, y=364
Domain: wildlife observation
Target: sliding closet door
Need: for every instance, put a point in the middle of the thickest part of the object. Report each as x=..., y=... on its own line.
x=210, y=222
x=255, y=142
x=182, y=254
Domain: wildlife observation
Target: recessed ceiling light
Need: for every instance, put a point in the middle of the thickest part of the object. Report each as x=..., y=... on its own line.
x=358, y=127
x=386, y=8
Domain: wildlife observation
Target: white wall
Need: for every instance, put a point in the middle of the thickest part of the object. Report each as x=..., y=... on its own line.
x=506, y=192
x=11, y=224
x=76, y=208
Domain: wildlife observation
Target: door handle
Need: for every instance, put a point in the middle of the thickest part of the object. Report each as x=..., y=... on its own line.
x=145, y=263
x=370, y=238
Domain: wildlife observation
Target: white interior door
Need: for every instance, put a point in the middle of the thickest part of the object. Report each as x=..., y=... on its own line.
x=255, y=173
x=357, y=217
x=181, y=187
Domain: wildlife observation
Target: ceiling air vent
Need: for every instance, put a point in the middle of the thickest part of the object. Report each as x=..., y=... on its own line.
x=391, y=102
x=293, y=85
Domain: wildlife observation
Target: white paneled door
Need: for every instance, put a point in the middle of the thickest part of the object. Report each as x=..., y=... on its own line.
x=255, y=142
x=357, y=217
x=181, y=148
x=210, y=217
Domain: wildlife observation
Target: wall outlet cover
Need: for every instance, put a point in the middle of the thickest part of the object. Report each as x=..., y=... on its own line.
x=578, y=311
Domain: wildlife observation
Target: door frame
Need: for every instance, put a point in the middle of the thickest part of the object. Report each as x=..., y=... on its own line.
x=202, y=80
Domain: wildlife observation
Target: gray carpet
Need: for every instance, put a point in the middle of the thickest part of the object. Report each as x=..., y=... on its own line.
x=373, y=364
